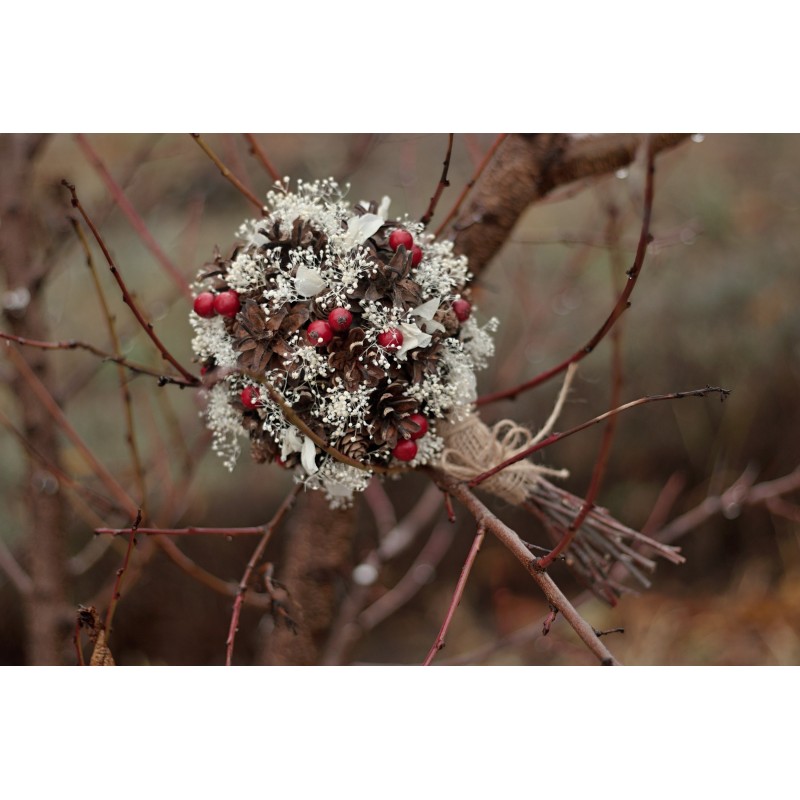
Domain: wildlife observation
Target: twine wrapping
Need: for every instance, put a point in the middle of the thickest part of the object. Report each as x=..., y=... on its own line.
x=472, y=447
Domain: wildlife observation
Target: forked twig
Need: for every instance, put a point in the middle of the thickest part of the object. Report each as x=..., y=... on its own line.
x=268, y=530
x=136, y=221
x=556, y=437
x=511, y=540
x=126, y=295
x=465, y=191
x=622, y=304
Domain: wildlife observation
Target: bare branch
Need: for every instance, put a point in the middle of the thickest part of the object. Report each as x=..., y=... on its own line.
x=227, y=174
x=525, y=170
x=126, y=295
x=442, y=185
x=136, y=221
x=622, y=304
x=457, y=594
x=269, y=529
x=511, y=540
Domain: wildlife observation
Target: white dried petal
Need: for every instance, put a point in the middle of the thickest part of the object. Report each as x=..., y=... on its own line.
x=308, y=282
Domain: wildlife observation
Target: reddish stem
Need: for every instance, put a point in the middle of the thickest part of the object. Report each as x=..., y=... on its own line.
x=137, y=223
x=556, y=437
x=462, y=582
x=251, y=565
x=443, y=183
x=191, y=531
x=227, y=174
x=255, y=150
x=126, y=296
x=472, y=181
x=115, y=594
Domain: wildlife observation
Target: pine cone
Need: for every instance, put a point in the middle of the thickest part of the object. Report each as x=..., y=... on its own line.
x=391, y=411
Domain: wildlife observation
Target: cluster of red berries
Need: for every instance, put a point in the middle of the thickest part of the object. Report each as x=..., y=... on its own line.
x=208, y=304
x=406, y=449
x=402, y=238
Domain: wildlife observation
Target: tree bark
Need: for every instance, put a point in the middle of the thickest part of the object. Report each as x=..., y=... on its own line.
x=316, y=565
x=526, y=169
x=21, y=263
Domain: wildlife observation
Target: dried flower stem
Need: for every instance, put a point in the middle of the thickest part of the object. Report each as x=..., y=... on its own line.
x=227, y=174
x=268, y=530
x=443, y=184
x=556, y=437
x=465, y=191
x=261, y=156
x=136, y=221
x=126, y=295
x=622, y=304
x=462, y=582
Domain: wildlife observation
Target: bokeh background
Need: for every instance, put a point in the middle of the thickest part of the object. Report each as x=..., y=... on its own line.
x=717, y=304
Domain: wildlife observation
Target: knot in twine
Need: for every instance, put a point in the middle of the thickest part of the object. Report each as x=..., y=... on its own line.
x=472, y=447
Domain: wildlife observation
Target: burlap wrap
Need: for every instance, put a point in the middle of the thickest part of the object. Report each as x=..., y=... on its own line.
x=472, y=447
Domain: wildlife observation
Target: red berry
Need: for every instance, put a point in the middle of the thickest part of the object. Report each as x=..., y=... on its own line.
x=227, y=303
x=250, y=397
x=391, y=339
x=423, y=426
x=462, y=309
x=405, y=450
x=340, y=319
x=416, y=255
x=398, y=237
x=204, y=305
x=319, y=333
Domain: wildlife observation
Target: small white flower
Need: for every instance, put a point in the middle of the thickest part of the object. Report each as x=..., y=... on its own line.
x=308, y=282
x=359, y=229
x=413, y=337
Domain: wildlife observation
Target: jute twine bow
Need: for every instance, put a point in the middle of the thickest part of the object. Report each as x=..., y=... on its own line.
x=472, y=447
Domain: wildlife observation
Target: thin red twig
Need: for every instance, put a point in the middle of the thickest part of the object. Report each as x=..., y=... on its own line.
x=599, y=469
x=190, y=531
x=443, y=184
x=74, y=344
x=127, y=406
x=557, y=437
x=115, y=595
x=251, y=565
x=227, y=174
x=126, y=295
x=472, y=181
x=623, y=302
x=462, y=582
x=136, y=221
x=258, y=152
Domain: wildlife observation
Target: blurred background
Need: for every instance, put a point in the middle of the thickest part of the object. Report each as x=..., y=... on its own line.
x=717, y=303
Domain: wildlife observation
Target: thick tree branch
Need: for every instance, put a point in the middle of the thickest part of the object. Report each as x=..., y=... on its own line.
x=525, y=169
